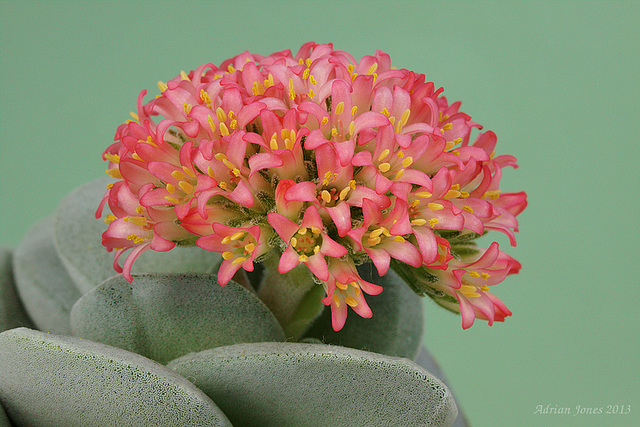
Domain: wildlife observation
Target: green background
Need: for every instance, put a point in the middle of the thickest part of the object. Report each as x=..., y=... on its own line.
x=557, y=81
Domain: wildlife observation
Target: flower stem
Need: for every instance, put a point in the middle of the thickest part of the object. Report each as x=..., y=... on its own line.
x=293, y=297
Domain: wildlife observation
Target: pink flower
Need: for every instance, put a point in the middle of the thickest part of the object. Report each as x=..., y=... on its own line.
x=320, y=159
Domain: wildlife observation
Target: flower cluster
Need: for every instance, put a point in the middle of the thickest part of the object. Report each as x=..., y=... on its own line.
x=321, y=160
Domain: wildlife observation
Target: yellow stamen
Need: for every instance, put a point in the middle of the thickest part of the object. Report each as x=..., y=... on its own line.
x=408, y=161
x=237, y=235
x=212, y=124
x=305, y=74
x=474, y=274
x=424, y=194
x=171, y=188
x=344, y=192
x=351, y=302
x=224, y=130
x=384, y=154
x=294, y=242
x=292, y=92
x=435, y=206
x=384, y=167
x=485, y=276
x=419, y=221
x=405, y=117
x=162, y=86
x=433, y=222
x=313, y=80
x=326, y=196
x=352, y=127
x=223, y=185
x=139, y=210
x=113, y=158
x=315, y=231
x=302, y=231
x=372, y=69
x=205, y=96
x=187, y=107
x=354, y=110
x=172, y=200
x=114, y=173
x=342, y=286
x=492, y=194
x=339, y=108
x=468, y=209
x=400, y=154
x=325, y=120
x=136, y=220
x=184, y=76
x=238, y=260
x=136, y=157
x=186, y=187
x=134, y=115
x=227, y=255
x=336, y=301
x=399, y=239
x=109, y=219
x=316, y=249
x=230, y=68
x=485, y=288
x=308, y=62
x=399, y=174
x=448, y=126
x=303, y=258
x=452, y=194
x=211, y=172
x=188, y=172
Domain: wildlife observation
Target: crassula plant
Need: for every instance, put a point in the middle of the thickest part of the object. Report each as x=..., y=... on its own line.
x=250, y=208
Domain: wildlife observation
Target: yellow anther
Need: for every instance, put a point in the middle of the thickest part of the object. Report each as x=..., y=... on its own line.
x=419, y=222
x=222, y=116
x=326, y=196
x=433, y=222
x=449, y=145
x=353, y=76
x=226, y=240
x=224, y=130
x=392, y=120
x=492, y=194
x=352, y=127
x=474, y=274
x=292, y=91
x=303, y=258
x=469, y=291
x=398, y=127
x=273, y=143
x=110, y=185
x=300, y=61
x=184, y=76
x=354, y=110
x=408, y=161
x=382, y=155
x=171, y=188
x=223, y=185
x=399, y=239
x=312, y=94
x=237, y=235
x=452, y=194
x=464, y=194
x=162, y=86
x=294, y=242
x=468, y=209
x=228, y=164
x=448, y=126
x=384, y=167
x=230, y=68
x=455, y=187
x=233, y=124
x=434, y=206
x=188, y=171
x=313, y=80
x=172, y=200
x=269, y=82
x=400, y=154
x=136, y=220
x=139, y=210
x=336, y=301
x=231, y=114
x=211, y=172
x=187, y=107
x=325, y=120
x=350, y=68
x=113, y=158
x=485, y=288
x=186, y=187
x=485, y=276
x=316, y=249
x=109, y=219
x=302, y=231
x=238, y=260
x=334, y=131
x=305, y=74
x=136, y=157
x=385, y=112
x=399, y=174
x=372, y=69
x=134, y=115
x=315, y=231
x=342, y=286
x=344, y=192
x=351, y=302
x=308, y=62
x=212, y=124
x=339, y=108
x=424, y=194
x=352, y=184
x=455, y=152
x=405, y=117
x=205, y=96
x=114, y=173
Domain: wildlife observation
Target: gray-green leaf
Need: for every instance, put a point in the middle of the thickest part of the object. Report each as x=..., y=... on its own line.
x=46, y=290
x=78, y=237
x=49, y=380
x=12, y=314
x=295, y=384
x=397, y=325
x=164, y=317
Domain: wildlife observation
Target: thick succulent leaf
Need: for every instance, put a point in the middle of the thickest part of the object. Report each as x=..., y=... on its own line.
x=164, y=316
x=396, y=328
x=46, y=290
x=295, y=384
x=12, y=314
x=426, y=360
x=50, y=380
x=78, y=237
x=4, y=420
